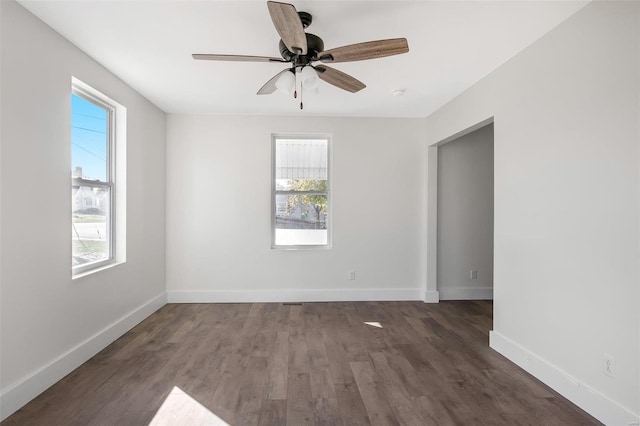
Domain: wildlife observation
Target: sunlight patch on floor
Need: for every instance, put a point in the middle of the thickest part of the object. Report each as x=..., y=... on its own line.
x=373, y=324
x=179, y=408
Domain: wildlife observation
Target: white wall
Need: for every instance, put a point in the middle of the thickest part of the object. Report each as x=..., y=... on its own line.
x=566, y=284
x=49, y=322
x=219, y=211
x=465, y=216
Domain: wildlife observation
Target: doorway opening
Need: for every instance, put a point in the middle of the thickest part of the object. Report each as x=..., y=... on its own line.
x=460, y=216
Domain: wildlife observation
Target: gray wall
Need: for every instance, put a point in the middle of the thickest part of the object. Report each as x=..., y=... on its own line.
x=219, y=176
x=566, y=185
x=465, y=216
x=50, y=323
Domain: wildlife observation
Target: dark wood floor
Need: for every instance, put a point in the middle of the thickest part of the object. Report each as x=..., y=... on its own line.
x=317, y=363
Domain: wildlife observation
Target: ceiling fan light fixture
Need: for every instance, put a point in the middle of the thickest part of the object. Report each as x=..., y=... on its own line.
x=286, y=82
x=301, y=49
x=309, y=78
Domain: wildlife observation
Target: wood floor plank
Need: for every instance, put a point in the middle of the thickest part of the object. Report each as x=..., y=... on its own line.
x=338, y=361
x=252, y=384
x=166, y=375
x=437, y=386
x=307, y=364
x=419, y=326
x=298, y=352
x=276, y=387
x=399, y=372
x=273, y=413
x=319, y=368
x=34, y=414
x=352, y=409
x=486, y=404
x=136, y=418
x=113, y=410
x=207, y=361
x=227, y=392
x=326, y=412
x=283, y=313
x=145, y=400
x=396, y=392
x=433, y=412
x=299, y=401
x=92, y=404
x=264, y=338
x=370, y=387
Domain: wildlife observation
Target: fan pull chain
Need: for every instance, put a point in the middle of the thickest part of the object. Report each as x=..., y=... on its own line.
x=295, y=84
x=300, y=95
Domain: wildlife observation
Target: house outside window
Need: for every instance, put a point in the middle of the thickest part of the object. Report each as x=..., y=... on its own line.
x=92, y=178
x=301, y=197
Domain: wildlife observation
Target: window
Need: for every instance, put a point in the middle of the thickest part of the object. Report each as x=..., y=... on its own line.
x=92, y=178
x=300, y=201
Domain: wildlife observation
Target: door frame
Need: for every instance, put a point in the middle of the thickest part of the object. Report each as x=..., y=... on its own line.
x=431, y=294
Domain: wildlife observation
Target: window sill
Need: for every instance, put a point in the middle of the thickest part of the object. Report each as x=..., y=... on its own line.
x=92, y=271
x=295, y=248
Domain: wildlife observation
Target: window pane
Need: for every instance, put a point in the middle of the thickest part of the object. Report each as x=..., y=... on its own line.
x=301, y=237
x=89, y=139
x=301, y=211
x=301, y=219
x=90, y=233
x=301, y=159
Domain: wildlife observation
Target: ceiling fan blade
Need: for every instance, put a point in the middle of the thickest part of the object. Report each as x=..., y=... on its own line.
x=235, y=58
x=289, y=26
x=366, y=50
x=339, y=79
x=270, y=86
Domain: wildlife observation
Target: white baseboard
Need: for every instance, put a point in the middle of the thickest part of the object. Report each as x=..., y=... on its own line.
x=293, y=295
x=431, y=296
x=590, y=400
x=15, y=396
x=466, y=293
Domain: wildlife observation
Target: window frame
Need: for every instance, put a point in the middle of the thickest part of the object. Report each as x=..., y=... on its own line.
x=91, y=95
x=275, y=192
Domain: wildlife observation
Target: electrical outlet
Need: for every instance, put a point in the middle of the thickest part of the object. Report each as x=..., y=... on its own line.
x=609, y=365
x=473, y=274
x=351, y=275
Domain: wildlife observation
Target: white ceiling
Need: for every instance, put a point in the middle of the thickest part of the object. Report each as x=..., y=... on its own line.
x=148, y=44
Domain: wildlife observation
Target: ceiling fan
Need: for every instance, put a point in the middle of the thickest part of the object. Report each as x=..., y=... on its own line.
x=301, y=50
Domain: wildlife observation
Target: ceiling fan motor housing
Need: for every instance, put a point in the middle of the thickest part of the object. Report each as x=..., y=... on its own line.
x=305, y=18
x=314, y=46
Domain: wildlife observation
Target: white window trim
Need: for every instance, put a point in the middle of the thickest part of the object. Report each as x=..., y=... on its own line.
x=329, y=216
x=115, y=132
